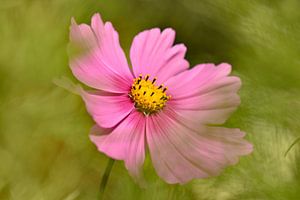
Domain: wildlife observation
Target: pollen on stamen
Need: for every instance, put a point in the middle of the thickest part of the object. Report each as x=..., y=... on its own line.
x=153, y=81
x=147, y=97
x=146, y=77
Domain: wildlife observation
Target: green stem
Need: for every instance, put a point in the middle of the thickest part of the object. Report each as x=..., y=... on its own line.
x=290, y=147
x=105, y=177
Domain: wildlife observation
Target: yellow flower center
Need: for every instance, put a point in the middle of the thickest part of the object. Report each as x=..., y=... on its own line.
x=147, y=97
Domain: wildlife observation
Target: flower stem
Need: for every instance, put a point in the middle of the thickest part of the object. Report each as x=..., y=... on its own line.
x=290, y=147
x=105, y=177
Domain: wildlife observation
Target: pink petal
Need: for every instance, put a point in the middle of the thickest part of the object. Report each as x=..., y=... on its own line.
x=102, y=63
x=208, y=95
x=200, y=79
x=107, y=110
x=125, y=142
x=152, y=52
x=180, y=154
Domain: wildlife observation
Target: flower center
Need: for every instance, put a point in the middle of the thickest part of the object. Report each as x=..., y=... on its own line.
x=148, y=98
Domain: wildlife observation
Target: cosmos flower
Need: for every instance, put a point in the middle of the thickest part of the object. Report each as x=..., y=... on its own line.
x=158, y=103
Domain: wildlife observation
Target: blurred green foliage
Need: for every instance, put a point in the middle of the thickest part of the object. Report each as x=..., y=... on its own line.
x=45, y=152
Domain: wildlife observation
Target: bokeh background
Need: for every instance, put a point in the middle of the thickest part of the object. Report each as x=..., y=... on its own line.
x=45, y=153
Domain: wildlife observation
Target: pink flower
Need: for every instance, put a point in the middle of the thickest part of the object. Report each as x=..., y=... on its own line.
x=159, y=103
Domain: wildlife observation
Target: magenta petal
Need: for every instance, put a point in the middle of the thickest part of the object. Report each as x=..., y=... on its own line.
x=125, y=142
x=107, y=110
x=101, y=62
x=152, y=52
x=201, y=79
x=180, y=154
x=111, y=52
x=211, y=95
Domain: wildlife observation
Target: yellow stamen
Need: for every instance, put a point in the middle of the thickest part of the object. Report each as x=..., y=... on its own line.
x=147, y=97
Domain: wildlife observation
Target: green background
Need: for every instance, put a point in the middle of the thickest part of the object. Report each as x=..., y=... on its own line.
x=45, y=152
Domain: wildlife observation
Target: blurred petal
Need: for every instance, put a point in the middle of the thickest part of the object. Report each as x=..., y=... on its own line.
x=101, y=62
x=125, y=142
x=99, y=133
x=109, y=109
x=96, y=130
x=152, y=52
x=208, y=96
x=180, y=154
